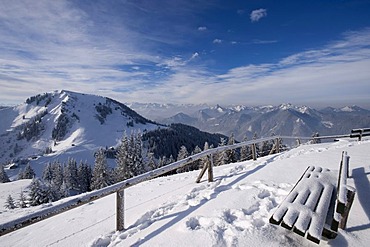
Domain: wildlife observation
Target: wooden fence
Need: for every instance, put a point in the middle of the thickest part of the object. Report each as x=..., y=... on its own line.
x=119, y=188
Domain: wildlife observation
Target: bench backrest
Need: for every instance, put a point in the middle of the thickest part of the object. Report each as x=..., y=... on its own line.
x=344, y=195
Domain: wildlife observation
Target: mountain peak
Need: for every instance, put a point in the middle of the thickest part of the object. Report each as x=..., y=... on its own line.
x=66, y=122
x=286, y=106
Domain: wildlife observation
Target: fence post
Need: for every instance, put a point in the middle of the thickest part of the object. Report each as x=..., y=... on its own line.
x=120, y=210
x=210, y=168
x=205, y=167
x=360, y=135
x=254, y=152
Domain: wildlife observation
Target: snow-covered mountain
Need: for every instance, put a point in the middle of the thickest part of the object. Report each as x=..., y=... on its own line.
x=64, y=124
x=285, y=119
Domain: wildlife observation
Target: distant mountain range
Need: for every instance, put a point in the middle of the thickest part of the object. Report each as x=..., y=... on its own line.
x=285, y=119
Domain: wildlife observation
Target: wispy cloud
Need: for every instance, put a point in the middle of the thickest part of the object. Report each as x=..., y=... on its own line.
x=217, y=41
x=202, y=28
x=61, y=46
x=257, y=14
x=263, y=42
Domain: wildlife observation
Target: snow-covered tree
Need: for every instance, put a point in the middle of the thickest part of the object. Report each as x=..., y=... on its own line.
x=84, y=177
x=3, y=176
x=22, y=200
x=70, y=175
x=47, y=173
x=220, y=156
x=9, y=203
x=101, y=175
x=57, y=172
x=137, y=158
x=231, y=155
x=63, y=190
x=183, y=153
x=122, y=171
x=245, y=151
x=38, y=193
x=162, y=161
x=152, y=164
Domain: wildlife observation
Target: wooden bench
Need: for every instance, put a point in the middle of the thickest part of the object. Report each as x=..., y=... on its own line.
x=318, y=204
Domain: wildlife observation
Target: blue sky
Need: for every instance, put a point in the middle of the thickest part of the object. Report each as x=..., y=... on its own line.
x=255, y=52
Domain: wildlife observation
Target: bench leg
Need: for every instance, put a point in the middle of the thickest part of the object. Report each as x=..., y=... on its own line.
x=350, y=198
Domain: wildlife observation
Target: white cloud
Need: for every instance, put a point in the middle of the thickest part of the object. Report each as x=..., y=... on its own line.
x=195, y=55
x=257, y=14
x=217, y=41
x=202, y=28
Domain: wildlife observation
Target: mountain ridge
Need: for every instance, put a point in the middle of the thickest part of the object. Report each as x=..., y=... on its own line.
x=284, y=119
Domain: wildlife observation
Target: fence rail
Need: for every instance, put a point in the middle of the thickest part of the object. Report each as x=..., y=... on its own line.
x=121, y=186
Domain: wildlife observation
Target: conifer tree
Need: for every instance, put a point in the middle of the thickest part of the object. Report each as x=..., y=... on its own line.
x=57, y=172
x=170, y=160
x=63, y=190
x=47, y=173
x=244, y=151
x=231, y=155
x=183, y=153
x=3, y=176
x=221, y=155
x=162, y=161
x=122, y=171
x=9, y=203
x=138, y=162
x=38, y=194
x=22, y=200
x=152, y=164
x=84, y=177
x=70, y=175
x=101, y=175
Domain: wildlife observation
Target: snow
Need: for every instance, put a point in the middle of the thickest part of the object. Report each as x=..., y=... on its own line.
x=347, y=109
x=342, y=193
x=231, y=211
x=328, y=124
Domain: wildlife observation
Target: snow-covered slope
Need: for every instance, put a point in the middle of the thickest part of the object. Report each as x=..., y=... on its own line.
x=67, y=124
x=232, y=211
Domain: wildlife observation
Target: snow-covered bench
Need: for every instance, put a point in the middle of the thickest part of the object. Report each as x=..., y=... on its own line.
x=318, y=203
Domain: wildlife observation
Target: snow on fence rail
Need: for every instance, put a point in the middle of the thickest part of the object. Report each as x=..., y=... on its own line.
x=120, y=186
